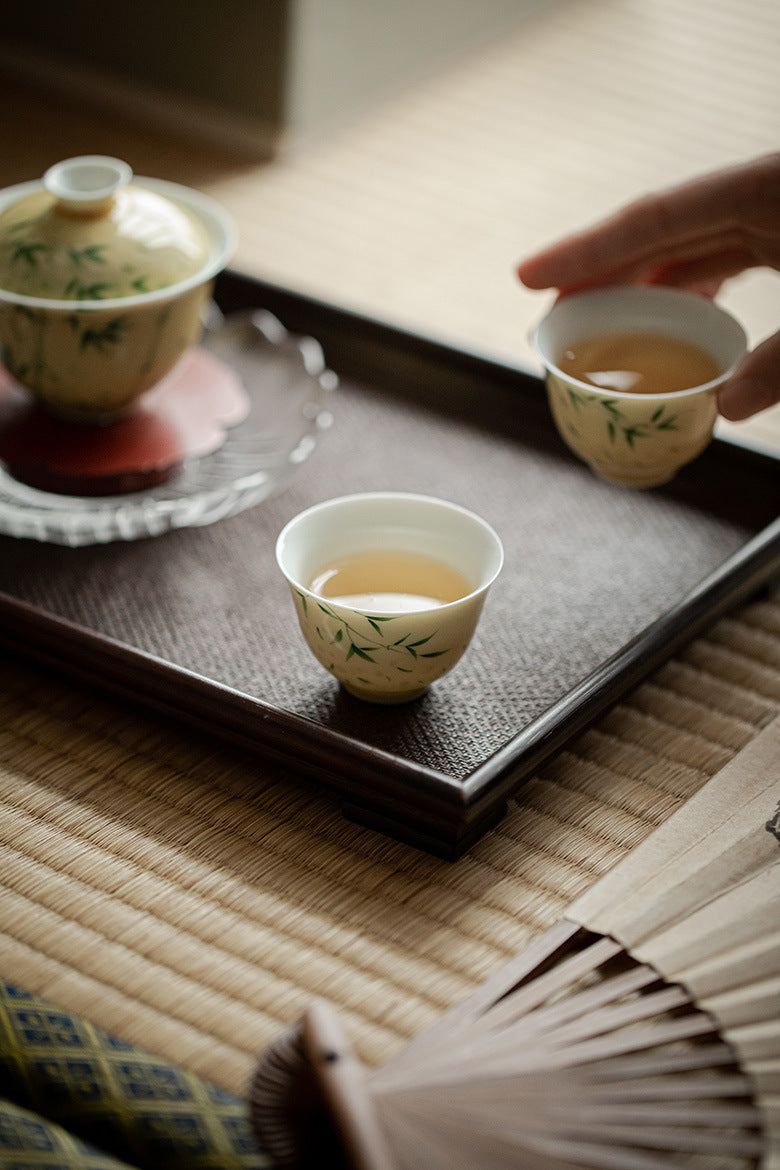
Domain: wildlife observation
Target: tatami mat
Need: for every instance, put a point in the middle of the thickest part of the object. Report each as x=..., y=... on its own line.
x=191, y=900
x=185, y=899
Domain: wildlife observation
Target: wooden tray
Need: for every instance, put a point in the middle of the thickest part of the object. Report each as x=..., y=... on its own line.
x=601, y=584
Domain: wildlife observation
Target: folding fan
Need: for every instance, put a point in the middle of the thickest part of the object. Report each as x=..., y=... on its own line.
x=641, y=1032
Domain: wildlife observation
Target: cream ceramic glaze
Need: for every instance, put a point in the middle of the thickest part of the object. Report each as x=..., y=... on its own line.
x=103, y=281
x=388, y=658
x=641, y=440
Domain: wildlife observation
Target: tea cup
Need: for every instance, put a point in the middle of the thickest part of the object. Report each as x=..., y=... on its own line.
x=637, y=439
x=386, y=654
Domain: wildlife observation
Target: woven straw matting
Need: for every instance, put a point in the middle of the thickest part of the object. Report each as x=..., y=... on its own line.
x=163, y=888
x=187, y=901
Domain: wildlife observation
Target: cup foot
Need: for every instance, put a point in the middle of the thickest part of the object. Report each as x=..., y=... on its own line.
x=635, y=480
x=387, y=698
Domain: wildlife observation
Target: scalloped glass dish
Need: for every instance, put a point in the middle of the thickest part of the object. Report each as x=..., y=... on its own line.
x=289, y=389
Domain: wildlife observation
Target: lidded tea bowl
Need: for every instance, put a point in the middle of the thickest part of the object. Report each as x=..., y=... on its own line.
x=103, y=281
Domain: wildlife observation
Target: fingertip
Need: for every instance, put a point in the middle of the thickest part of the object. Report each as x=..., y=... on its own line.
x=528, y=275
x=730, y=405
x=743, y=397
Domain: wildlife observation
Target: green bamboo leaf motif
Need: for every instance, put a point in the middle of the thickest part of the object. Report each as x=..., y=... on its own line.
x=92, y=253
x=353, y=649
x=617, y=425
x=373, y=621
x=29, y=253
x=87, y=292
x=110, y=334
x=304, y=600
x=405, y=669
x=346, y=635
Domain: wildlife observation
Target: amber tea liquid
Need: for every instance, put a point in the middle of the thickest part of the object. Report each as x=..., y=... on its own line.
x=388, y=581
x=638, y=363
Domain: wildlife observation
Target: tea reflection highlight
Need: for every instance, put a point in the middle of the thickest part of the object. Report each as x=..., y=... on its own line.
x=638, y=363
x=390, y=581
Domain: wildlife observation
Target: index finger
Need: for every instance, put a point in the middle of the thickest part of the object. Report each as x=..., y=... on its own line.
x=656, y=230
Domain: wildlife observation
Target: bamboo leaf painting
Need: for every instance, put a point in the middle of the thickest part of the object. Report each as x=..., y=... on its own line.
x=92, y=254
x=360, y=652
x=110, y=334
x=346, y=633
x=98, y=291
x=617, y=425
x=29, y=253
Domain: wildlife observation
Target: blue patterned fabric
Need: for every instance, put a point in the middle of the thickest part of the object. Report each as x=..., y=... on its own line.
x=95, y=1088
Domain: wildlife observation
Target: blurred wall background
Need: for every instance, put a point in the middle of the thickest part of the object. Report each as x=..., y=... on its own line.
x=280, y=69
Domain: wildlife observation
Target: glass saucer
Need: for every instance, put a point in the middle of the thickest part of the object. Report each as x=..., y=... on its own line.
x=289, y=389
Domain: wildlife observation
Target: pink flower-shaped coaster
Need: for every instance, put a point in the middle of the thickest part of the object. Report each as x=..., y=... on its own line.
x=185, y=416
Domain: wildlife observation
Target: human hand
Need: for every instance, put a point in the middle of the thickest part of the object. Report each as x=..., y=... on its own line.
x=691, y=236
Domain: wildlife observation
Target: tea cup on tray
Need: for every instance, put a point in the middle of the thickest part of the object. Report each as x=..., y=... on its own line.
x=388, y=587
x=632, y=375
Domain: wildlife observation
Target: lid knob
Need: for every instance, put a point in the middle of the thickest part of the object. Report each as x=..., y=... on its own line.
x=86, y=185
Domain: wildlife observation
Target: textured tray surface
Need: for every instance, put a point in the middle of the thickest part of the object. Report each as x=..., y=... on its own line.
x=588, y=566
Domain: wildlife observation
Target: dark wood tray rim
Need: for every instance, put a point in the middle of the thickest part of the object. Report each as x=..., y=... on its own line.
x=403, y=799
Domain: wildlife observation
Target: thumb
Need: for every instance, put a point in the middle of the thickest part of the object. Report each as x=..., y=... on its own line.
x=756, y=383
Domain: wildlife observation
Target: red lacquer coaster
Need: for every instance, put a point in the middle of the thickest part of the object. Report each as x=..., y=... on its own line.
x=185, y=416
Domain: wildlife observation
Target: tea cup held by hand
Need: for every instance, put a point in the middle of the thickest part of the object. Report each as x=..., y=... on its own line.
x=385, y=656
x=637, y=439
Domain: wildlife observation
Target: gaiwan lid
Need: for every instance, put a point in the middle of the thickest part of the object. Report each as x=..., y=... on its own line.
x=87, y=233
